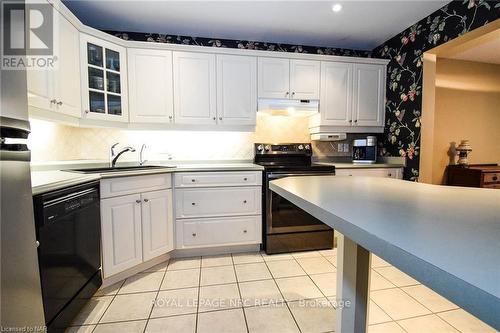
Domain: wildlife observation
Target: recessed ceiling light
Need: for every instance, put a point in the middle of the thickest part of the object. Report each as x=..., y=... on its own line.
x=337, y=7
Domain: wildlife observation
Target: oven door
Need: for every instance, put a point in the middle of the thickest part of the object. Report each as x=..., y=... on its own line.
x=282, y=216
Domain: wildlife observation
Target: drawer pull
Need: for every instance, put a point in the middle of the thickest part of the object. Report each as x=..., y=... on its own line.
x=194, y=234
x=193, y=203
x=244, y=201
x=390, y=175
x=245, y=179
x=495, y=178
x=193, y=180
x=244, y=231
x=146, y=200
x=138, y=201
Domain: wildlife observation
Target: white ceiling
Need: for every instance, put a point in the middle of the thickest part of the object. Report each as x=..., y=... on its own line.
x=360, y=24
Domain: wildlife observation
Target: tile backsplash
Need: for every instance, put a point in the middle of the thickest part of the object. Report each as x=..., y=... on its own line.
x=50, y=141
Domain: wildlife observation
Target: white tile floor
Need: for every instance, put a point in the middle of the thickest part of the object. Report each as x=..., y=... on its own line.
x=255, y=292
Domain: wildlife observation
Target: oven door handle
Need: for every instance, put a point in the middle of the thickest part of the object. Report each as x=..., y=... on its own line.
x=272, y=176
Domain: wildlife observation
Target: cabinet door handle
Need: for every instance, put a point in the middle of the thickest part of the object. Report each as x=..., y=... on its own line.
x=87, y=111
x=170, y=117
x=244, y=201
x=390, y=175
x=146, y=200
x=53, y=101
x=244, y=231
x=193, y=203
x=350, y=120
x=220, y=118
x=138, y=201
x=293, y=93
x=287, y=93
x=245, y=179
x=194, y=234
x=356, y=121
x=59, y=103
x=215, y=118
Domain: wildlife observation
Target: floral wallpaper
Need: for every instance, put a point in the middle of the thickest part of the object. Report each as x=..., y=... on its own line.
x=236, y=44
x=404, y=72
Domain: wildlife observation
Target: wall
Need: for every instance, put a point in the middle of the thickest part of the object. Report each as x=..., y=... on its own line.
x=467, y=106
x=404, y=72
x=55, y=142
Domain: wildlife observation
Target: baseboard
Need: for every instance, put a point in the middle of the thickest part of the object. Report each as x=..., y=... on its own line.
x=134, y=270
x=208, y=251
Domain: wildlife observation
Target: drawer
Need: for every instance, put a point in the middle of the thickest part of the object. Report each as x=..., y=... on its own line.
x=219, y=231
x=218, y=201
x=370, y=172
x=211, y=179
x=492, y=185
x=128, y=185
x=491, y=177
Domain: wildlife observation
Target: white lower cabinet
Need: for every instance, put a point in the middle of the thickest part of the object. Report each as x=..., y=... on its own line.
x=218, y=209
x=135, y=228
x=157, y=224
x=121, y=233
x=220, y=231
x=371, y=172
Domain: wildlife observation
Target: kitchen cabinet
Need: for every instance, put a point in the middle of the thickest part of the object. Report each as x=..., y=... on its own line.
x=218, y=208
x=351, y=99
x=151, y=97
x=371, y=172
x=104, y=79
x=58, y=89
x=157, y=223
x=194, y=88
x=368, y=95
x=336, y=98
x=121, y=233
x=236, y=90
x=288, y=78
x=135, y=227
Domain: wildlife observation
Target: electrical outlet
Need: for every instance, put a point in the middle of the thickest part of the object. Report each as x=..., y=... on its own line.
x=340, y=147
x=346, y=147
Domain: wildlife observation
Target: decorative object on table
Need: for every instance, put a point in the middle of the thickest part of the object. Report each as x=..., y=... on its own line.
x=463, y=149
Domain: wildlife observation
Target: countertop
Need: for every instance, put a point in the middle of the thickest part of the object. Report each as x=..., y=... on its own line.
x=446, y=237
x=48, y=180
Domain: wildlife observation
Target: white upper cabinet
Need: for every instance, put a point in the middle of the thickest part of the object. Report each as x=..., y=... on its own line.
x=304, y=79
x=368, y=101
x=336, y=98
x=151, y=97
x=274, y=77
x=236, y=90
x=157, y=223
x=194, y=88
x=104, y=79
x=288, y=78
x=59, y=89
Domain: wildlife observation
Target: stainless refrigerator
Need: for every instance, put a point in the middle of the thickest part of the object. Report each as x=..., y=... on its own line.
x=21, y=297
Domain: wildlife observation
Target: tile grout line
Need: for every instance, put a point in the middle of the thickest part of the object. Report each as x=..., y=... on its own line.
x=156, y=297
x=198, y=299
x=239, y=293
x=283, y=297
x=114, y=296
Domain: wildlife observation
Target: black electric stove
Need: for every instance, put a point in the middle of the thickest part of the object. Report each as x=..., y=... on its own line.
x=286, y=227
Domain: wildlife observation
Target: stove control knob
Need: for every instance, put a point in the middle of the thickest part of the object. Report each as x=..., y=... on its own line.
x=308, y=147
x=267, y=147
x=301, y=147
x=260, y=147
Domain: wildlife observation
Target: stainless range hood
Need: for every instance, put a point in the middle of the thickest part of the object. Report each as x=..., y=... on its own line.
x=288, y=107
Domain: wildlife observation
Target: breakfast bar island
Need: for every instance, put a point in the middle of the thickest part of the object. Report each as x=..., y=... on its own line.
x=448, y=238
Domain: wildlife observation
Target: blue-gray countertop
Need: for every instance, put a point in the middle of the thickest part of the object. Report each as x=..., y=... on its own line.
x=446, y=237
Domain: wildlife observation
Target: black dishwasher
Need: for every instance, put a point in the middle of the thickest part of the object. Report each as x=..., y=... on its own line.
x=68, y=232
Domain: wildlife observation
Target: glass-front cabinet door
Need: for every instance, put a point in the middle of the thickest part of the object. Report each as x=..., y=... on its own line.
x=104, y=80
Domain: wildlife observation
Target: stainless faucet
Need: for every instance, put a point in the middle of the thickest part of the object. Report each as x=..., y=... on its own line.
x=113, y=157
x=142, y=160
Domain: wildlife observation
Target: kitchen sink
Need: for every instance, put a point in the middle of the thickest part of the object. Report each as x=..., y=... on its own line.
x=120, y=169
